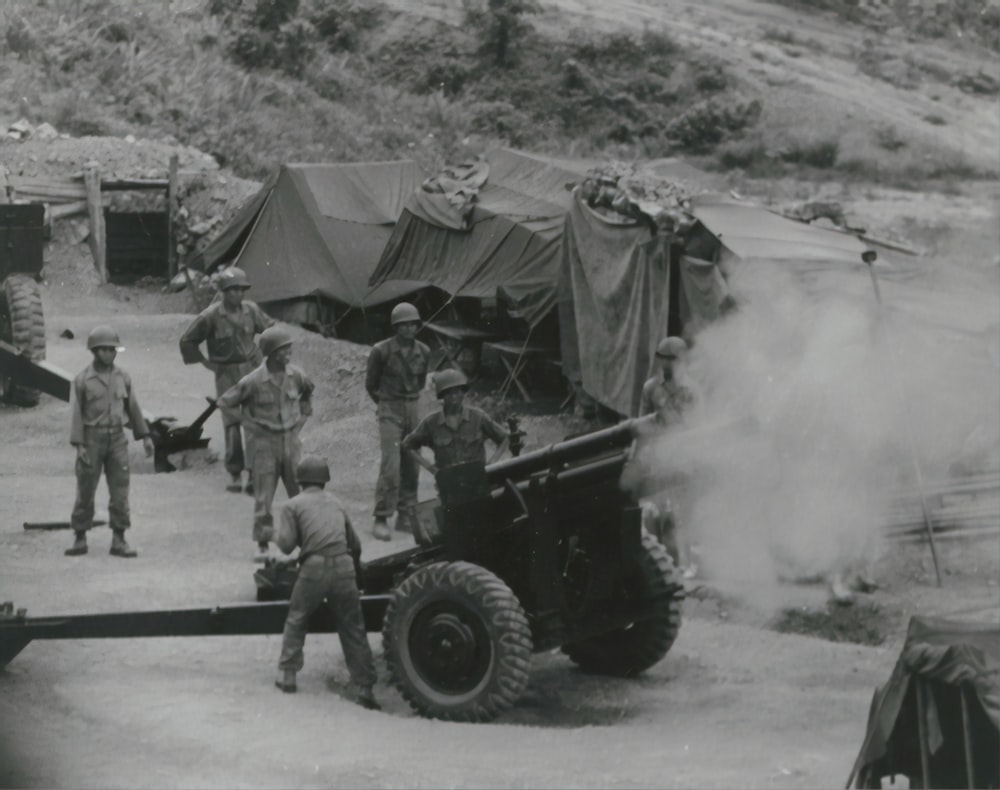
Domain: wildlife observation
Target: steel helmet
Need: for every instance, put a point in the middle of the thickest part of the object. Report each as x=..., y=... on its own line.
x=233, y=277
x=312, y=469
x=448, y=380
x=404, y=313
x=104, y=337
x=273, y=338
x=671, y=347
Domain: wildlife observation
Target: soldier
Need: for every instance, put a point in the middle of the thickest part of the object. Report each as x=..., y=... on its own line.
x=329, y=554
x=457, y=434
x=397, y=370
x=228, y=327
x=102, y=404
x=666, y=398
x=272, y=403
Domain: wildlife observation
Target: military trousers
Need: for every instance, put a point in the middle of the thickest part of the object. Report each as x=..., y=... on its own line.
x=331, y=578
x=272, y=457
x=107, y=452
x=398, y=472
x=225, y=377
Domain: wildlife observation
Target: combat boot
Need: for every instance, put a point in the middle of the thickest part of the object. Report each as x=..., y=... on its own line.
x=235, y=485
x=120, y=547
x=381, y=530
x=286, y=681
x=79, y=545
x=363, y=696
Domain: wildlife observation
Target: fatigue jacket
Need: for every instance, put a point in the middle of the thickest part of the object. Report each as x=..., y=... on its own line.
x=666, y=399
x=229, y=336
x=272, y=404
x=316, y=522
x=456, y=446
x=395, y=372
x=104, y=400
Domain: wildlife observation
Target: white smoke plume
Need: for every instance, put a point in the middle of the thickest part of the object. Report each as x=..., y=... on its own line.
x=813, y=404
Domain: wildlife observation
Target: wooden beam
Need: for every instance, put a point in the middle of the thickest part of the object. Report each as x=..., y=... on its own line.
x=172, y=207
x=95, y=210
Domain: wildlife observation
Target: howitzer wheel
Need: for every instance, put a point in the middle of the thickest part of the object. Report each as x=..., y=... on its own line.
x=457, y=642
x=22, y=324
x=628, y=651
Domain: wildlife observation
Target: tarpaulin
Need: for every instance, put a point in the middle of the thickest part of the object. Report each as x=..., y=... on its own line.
x=510, y=238
x=613, y=302
x=949, y=656
x=318, y=230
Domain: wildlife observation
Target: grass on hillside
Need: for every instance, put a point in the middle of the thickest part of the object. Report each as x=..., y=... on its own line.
x=420, y=91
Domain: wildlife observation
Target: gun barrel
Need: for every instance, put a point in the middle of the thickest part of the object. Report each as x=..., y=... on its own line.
x=579, y=448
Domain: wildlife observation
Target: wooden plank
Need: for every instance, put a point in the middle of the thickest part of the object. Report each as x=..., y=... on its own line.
x=97, y=239
x=48, y=190
x=172, y=200
x=61, y=210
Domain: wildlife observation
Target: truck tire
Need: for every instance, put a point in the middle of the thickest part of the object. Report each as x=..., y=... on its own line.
x=22, y=324
x=627, y=651
x=457, y=642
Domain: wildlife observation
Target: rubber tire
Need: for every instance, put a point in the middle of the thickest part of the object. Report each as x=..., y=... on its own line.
x=625, y=652
x=485, y=604
x=22, y=324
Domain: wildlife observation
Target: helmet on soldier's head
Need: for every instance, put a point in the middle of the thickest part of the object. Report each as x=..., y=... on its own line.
x=273, y=338
x=404, y=313
x=671, y=347
x=103, y=337
x=312, y=469
x=233, y=277
x=449, y=380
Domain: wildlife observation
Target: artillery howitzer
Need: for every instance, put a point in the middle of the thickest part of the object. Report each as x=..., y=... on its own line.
x=547, y=552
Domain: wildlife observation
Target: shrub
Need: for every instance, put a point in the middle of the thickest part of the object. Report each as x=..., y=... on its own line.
x=818, y=153
x=710, y=122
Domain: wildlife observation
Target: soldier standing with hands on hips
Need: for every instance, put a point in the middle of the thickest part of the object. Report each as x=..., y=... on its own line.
x=227, y=327
x=272, y=404
x=102, y=403
x=397, y=371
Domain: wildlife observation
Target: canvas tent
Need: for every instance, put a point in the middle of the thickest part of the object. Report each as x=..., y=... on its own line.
x=622, y=288
x=937, y=719
x=310, y=239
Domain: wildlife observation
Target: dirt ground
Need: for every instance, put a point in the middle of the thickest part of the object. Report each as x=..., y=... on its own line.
x=734, y=704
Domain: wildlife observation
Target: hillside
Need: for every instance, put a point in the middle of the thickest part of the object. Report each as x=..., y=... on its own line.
x=868, y=92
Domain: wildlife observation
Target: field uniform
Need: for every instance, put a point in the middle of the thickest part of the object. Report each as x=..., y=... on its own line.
x=466, y=443
x=229, y=337
x=101, y=406
x=394, y=379
x=272, y=407
x=316, y=522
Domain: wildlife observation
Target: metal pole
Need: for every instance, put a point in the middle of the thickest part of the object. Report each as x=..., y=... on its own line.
x=970, y=769
x=925, y=760
x=928, y=526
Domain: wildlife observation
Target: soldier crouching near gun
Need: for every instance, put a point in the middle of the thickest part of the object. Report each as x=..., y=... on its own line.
x=457, y=433
x=228, y=327
x=272, y=404
x=329, y=554
x=102, y=404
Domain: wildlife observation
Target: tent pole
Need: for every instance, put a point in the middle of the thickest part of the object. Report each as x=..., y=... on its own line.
x=928, y=526
x=970, y=769
x=920, y=687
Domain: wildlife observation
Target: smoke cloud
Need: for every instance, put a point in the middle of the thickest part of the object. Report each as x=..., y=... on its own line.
x=813, y=405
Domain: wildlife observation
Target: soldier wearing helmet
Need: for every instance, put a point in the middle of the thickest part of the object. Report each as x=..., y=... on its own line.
x=662, y=394
x=315, y=522
x=102, y=404
x=272, y=403
x=457, y=433
x=665, y=397
x=397, y=371
x=227, y=327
